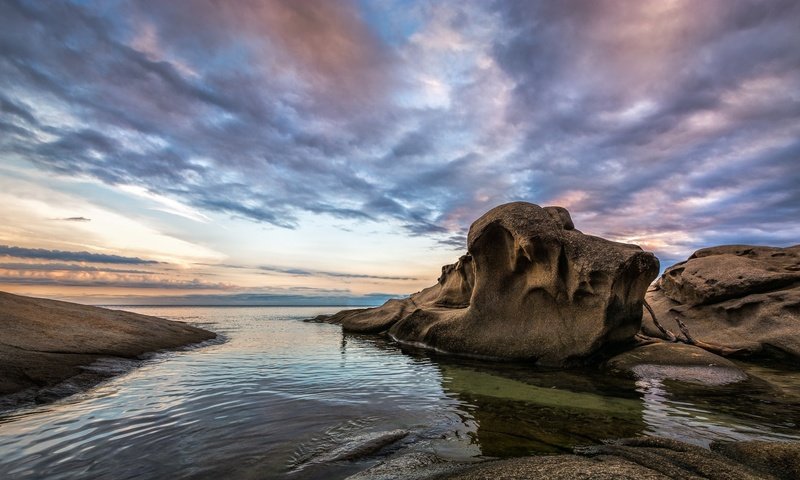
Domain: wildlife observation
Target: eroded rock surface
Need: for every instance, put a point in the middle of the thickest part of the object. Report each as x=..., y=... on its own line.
x=739, y=296
x=531, y=287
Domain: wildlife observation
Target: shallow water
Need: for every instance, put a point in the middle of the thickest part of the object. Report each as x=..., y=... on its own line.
x=282, y=398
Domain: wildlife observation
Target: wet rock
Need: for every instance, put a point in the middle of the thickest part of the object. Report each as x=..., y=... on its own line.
x=674, y=459
x=356, y=447
x=630, y=458
x=677, y=361
x=531, y=287
x=742, y=297
x=781, y=460
x=559, y=467
x=410, y=466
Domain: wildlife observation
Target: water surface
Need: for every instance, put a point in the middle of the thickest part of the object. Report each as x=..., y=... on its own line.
x=279, y=395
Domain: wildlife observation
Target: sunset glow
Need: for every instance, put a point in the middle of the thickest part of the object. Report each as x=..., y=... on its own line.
x=321, y=152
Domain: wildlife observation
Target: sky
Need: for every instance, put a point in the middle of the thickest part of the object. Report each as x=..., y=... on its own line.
x=336, y=152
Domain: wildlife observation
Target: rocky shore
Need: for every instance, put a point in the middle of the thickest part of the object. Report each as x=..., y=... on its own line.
x=51, y=349
x=533, y=288
x=632, y=458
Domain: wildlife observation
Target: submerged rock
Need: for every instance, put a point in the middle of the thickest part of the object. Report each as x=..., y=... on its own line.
x=677, y=361
x=351, y=448
x=531, y=287
x=410, y=466
x=740, y=296
x=362, y=445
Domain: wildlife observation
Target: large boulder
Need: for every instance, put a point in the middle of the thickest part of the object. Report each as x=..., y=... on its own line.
x=739, y=296
x=531, y=287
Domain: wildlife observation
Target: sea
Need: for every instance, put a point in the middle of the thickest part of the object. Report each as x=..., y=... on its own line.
x=278, y=397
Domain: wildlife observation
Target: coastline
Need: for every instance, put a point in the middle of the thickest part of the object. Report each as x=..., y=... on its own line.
x=51, y=349
x=639, y=458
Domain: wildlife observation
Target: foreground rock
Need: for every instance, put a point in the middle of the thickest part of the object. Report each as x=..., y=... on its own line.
x=743, y=297
x=782, y=460
x=531, y=287
x=45, y=342
x=634, y=458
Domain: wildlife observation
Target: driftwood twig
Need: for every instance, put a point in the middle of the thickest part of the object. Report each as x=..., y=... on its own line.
x=721, y=350
x=670, y=336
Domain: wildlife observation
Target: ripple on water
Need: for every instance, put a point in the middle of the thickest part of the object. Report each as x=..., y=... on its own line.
x=278, y=396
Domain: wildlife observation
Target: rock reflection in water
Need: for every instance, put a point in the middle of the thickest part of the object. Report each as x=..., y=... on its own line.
x=282, y=398
x=518, y=409
x=539, y=415
x=701, y=413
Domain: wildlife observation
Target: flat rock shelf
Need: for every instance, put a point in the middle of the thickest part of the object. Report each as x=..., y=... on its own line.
x=51, y=349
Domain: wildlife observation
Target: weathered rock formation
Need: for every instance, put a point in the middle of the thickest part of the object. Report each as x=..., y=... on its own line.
x=46, y=342
x=742, y=297
x=531, y=287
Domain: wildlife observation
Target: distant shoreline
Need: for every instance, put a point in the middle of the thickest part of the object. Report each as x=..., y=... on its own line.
x=222, y=305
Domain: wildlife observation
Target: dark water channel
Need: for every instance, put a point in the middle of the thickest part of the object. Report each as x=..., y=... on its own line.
x=280, y=395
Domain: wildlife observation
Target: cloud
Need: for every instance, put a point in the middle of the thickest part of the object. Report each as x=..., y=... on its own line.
x=75, y=219
x=673, y=124
x=302, y=272
x=665, y=117
x=65, y=267
x=305, y=272
x=20, y=111
x=319, y=298
x=22, y=277
x=44, y=254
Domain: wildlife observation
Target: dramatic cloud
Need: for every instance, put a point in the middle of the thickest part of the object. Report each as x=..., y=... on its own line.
x=675, y=125
x=43, y=254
